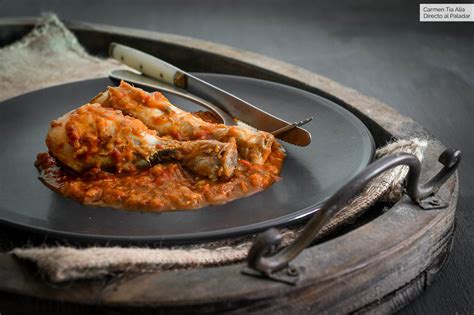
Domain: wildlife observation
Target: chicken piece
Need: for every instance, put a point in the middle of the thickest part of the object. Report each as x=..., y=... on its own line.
x=95, y=136
x=157, y=113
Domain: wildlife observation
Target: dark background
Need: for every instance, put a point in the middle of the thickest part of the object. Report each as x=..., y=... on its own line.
x=424, y=70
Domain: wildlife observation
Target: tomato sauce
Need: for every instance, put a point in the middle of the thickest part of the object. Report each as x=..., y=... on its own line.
x=162, y=187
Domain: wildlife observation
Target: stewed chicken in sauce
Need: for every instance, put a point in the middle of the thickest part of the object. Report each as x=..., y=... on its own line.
x=134, y=150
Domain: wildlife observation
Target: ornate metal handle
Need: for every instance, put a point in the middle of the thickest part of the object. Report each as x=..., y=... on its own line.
x=259, y=258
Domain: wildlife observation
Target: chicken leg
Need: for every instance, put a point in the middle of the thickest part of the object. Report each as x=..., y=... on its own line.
x=157, y=113
x=95, y=136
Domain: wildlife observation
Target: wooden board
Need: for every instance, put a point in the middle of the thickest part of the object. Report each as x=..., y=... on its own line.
x=379, y=266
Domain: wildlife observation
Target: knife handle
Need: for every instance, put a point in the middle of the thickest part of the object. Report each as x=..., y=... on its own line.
x=148, y=65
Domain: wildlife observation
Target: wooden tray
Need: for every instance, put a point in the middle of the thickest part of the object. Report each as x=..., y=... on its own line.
x=378, y=267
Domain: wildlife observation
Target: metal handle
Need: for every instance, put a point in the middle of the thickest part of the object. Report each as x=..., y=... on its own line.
x=261, y=258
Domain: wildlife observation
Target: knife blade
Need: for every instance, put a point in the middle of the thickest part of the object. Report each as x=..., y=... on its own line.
x=234, y=106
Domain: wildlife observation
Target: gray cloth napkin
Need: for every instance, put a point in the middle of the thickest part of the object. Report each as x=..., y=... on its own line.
x=49, y=55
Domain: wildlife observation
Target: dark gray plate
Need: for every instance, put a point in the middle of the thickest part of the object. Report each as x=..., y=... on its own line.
x=341, y=147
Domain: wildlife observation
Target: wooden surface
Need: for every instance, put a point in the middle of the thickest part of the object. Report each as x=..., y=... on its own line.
x=422, y=70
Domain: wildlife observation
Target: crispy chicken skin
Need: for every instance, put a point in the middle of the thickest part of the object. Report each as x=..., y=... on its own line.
x=157, y=113
x=95, y=136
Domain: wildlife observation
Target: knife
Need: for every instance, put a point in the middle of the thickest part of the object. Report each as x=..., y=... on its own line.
x=162, y=71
